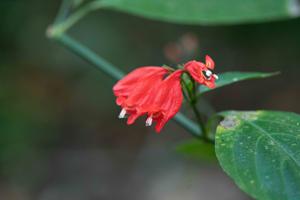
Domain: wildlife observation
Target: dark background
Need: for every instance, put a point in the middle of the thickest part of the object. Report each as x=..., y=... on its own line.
x=60, y=138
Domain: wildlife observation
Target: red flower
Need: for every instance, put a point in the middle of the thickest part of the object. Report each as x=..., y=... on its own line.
x=156, y=91
x=150, y=91
x=202, y=73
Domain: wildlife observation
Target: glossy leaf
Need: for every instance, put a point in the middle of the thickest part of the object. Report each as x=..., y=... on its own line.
x=207, y=12
x=261, y=152
x=197, y=149
x=228, y=78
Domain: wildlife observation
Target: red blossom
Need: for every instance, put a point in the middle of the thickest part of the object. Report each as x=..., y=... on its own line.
x=149, y=91
x=156, y=91
x=202, y=73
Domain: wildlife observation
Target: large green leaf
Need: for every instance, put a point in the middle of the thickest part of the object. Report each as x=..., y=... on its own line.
x=233, y=77
x=261, y=152
x=207, y=11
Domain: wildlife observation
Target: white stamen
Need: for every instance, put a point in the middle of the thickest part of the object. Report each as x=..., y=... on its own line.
x=216, y=76
x=149, y=121
x=208, y=73
x=122, y=114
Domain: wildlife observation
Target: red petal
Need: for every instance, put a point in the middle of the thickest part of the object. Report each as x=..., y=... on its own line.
x=125, y=86
x=120, y=100
x=195, y=70
x=160, y=124
x=211, y=84
x=210, y=64
x=131, y=119
x=171, y=99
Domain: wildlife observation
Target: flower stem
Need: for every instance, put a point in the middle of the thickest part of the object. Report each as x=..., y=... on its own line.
x=112, y=71
x=63, y=11
x=192, y=99
x=90, y=56
x=201, y=123
x=63, y=23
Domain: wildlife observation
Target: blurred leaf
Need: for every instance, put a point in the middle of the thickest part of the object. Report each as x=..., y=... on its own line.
x=228, y=78
x=261, y=152
x=197, y=149
x=77, y=2
x=207, y=12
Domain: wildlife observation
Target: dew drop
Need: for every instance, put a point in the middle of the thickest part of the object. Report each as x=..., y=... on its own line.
x=267, y=177
x=266, y=147
x=229, y=122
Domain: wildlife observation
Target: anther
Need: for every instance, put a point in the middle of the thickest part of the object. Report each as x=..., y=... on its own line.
x=216, y=76
x=122, y=114
x=149, y=121
x=208, y=73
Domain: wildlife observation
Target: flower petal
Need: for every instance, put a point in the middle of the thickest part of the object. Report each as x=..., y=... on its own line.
x=201, y=72
x=131, y=119
x=210, y=64
x=171, y=100
x=127, y=84
x=195, y=69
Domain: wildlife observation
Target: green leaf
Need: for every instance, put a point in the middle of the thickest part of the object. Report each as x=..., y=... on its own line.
x=197, y=149
x=77, y=2
x=208, y=11
x=260, y=150
x=228, y=78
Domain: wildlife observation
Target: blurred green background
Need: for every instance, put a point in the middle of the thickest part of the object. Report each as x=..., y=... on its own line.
x=60, y=138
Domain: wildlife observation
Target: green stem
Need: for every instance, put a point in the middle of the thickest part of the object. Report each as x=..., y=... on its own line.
x=112, y=71
x=61, y=27
x=193, y=103
x=194, y=100
x=201, y=124
x=199, y=118
x=90, y=56
x=63, y=11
